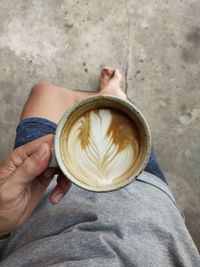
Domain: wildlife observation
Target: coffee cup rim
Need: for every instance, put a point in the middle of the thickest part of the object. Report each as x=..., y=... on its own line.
x=62, y=123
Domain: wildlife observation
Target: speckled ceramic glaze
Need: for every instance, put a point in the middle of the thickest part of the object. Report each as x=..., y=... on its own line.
x=102, y=143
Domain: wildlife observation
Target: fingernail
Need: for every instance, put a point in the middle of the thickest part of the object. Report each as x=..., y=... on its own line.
x=41, y=151
x=58, y=197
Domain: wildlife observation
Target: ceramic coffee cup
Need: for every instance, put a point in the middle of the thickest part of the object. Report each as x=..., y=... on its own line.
x=102, y=143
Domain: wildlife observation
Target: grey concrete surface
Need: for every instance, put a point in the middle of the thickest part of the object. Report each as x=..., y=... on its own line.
x=156, y=44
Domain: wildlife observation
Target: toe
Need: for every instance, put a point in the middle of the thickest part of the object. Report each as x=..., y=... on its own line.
x=106, y=75
x=117, y=75
x=109, y=71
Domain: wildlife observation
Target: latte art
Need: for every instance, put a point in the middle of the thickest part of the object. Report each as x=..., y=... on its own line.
x=101, y=147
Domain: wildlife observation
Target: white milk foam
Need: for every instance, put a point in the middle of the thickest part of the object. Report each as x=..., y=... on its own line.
x=100, y=162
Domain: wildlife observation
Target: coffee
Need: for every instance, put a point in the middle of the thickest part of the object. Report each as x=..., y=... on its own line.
x=101, y=146
x=102, y=143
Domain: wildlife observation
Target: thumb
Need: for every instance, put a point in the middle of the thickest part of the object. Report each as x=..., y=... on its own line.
x=32, y=166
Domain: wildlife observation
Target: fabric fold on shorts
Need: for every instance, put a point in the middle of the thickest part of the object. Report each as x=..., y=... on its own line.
x=32, y=128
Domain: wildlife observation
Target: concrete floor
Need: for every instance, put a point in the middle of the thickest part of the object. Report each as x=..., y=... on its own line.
x=156, y=44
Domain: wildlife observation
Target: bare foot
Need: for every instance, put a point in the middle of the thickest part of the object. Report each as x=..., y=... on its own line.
x=110, y=80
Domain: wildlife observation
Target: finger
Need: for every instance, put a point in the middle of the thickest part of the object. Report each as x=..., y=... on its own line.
x=45, y=177
x=31, y=147
x=33, y=166
x=63, y=186
x=19, y=155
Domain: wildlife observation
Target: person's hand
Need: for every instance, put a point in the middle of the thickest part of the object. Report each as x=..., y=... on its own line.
x=24, y=178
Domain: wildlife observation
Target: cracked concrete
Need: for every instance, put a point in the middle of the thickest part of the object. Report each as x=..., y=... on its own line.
x=155, y=44
x=126, y=72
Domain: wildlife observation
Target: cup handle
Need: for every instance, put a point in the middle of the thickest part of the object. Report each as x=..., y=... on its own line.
x=53, y=162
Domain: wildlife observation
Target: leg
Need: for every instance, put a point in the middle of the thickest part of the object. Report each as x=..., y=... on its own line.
x=47, y=103
x=50, y=102
x=42, y=111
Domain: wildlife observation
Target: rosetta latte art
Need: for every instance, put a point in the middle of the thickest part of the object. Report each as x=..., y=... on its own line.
x=102, y=146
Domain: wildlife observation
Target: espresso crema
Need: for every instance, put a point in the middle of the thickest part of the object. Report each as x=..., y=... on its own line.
x=101, y=147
